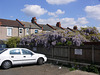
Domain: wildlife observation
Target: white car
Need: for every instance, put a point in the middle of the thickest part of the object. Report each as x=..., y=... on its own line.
x=15, y=56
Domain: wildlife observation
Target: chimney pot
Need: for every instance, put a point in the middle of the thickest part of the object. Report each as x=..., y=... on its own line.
x=58, y=24
x=34, y=20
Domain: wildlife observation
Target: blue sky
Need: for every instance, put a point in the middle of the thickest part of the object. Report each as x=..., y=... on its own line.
x=82, y=13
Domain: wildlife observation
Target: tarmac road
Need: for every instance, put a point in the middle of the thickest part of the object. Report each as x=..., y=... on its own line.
x=45, y=69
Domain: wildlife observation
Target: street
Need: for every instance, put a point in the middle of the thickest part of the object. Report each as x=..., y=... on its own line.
x=45, y=69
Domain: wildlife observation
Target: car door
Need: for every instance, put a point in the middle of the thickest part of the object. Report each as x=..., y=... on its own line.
x=15, y=56
x=28, y=56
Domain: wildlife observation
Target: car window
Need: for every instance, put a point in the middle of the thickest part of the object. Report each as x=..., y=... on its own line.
x=26, y=52
x=2, y=50
x=17, y=51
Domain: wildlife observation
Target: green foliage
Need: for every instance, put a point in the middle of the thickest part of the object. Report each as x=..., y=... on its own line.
x=69, y=43
x=59, y=44
x=89, y=68
x=72, y=69
x=93, y=68
x=13, y=41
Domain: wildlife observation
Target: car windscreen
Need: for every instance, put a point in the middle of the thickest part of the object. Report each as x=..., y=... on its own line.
x=2, y=50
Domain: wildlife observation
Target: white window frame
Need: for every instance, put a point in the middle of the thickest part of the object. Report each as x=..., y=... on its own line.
x=37, y=30
x=21, y=29
x=9, y=31
x=27, y=31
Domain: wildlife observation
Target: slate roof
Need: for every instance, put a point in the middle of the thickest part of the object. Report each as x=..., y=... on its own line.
x=46, y=27
x=57, y=28
x=10, y=23
x=30, y=25
x=50, y=27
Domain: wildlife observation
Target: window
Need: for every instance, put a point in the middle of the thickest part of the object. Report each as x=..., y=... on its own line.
x=26, y=52
x=20, y=30
x=17, y=51
x=2, y=50
x=27, y=31
x=9, y=31
x=36, y=31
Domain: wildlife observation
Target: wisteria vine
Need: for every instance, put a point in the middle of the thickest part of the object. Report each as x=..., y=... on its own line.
x=54, y=38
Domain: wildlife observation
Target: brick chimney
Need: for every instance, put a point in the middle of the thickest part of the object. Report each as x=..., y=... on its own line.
x=34, y=20
x=58, y=24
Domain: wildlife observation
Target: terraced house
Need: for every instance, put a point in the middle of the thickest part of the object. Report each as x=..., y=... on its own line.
x=12, y=28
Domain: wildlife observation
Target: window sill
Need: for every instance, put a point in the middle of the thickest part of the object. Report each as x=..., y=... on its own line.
x=9, y=36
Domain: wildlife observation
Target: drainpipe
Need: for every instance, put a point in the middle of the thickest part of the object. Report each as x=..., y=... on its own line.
x=18, y=31
x=30, y=30
x=24, y=30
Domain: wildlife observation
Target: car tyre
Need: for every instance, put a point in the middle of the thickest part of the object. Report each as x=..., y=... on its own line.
x=40, y=61
x=6, y=65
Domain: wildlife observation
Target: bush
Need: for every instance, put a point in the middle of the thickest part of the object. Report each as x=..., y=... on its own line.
x=88, y=68
x=69, y=43
x=59, y=44
x=12, y=42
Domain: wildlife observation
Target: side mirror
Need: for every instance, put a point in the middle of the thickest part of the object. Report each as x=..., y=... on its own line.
x=32, y=54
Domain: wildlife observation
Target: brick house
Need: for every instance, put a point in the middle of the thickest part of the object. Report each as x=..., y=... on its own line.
x=12, y=28
x=15, y=28
x=9, y=28
x=47, y=27
x=29, y=27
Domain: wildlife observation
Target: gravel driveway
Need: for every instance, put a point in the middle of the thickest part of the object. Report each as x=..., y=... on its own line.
x=45, y=69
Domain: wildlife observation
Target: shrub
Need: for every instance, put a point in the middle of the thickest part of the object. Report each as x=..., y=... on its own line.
x=69, y=43
x=59, y=44
x=88, y=68
x=12, y=42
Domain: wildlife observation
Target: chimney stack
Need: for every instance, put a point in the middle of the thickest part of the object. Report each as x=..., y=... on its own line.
x=58, y=24
x=34, y=20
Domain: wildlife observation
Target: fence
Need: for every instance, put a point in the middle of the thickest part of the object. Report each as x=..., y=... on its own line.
x=82, y=54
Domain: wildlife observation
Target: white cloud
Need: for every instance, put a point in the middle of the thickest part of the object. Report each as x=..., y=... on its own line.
x=60, y=11
x=33, y=10
x=68, y=22
x=93, y=11
x=50, y=21
x=55, y=14
x=59, y=2
x=65, y=22
x=52, y=14
x=82, y=20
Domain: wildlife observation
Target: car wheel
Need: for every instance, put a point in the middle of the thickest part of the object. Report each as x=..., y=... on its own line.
x=6, y=64
x=40, y=61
